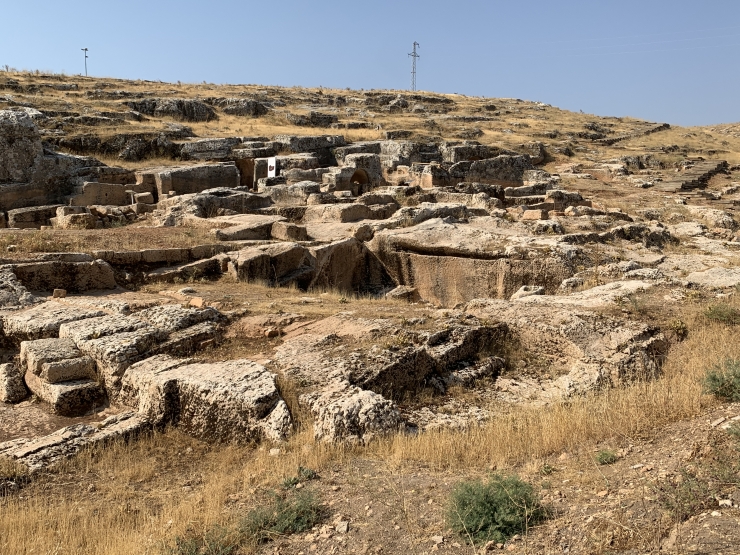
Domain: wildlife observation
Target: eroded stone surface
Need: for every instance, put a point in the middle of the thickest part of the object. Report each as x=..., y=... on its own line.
x=343, y=412
x=236, y=400
x=69, y=398
x=12, y=387
x=43, y=321
x=56, y=360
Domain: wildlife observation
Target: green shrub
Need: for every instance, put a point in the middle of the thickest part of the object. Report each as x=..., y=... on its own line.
x=494, y=510
x=284, y=515
x=546, y=469
x=723, y=380
x=685, y=497
x=606, y=457
x=304, y=475
x=723, y=313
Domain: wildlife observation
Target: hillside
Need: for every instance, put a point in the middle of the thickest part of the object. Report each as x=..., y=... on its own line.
x=220, y=300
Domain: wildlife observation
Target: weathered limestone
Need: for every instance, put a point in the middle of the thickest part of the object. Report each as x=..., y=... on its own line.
x=228, y=401
x=343, y=412
x=74, y=217
x=107, y=194
x=44, y=452
x=451, y=263
x=100, y=326
x=172, y=317
x=185, y=109
x=69, y=398
x=31, y=176
x=252, y=226
x=337, y=213
x=209, y=149
x=12, y=387
x=195, y=179
x=56, y=360
x=43, y=321
x=113, y=354
x=284, y=231
x=30, y=218
x=213, y=202
x=72, y=276
x=12, y=292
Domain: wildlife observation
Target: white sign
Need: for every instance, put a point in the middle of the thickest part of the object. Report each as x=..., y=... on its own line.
x=272, y=167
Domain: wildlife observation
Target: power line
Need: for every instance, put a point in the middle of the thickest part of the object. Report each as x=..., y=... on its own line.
x=85, y=51
x=414, y=57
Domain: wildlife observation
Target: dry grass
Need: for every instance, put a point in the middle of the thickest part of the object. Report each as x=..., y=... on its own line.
x=132, y=237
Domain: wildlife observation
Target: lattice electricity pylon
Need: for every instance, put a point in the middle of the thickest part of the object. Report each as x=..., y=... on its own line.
x=414, y=56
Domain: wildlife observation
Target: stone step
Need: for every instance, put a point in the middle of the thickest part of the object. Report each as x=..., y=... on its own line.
x=71, y=398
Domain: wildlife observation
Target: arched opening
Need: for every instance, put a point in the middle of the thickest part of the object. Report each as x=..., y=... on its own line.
x=359, y=178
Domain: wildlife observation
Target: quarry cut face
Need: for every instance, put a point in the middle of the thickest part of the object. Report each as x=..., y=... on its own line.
x=248, y=265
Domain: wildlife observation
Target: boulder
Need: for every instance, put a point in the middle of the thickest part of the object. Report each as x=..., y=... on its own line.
x=343, y=412
x=237, y=400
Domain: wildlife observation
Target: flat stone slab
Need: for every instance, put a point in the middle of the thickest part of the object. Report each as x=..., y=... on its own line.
x=56, y=360
x=715, y=277
x=46, y=451
x=72, y=398
x=173, y=317
x=226, y=401
x=189, y=340
x=43, y=321
x=102, y=326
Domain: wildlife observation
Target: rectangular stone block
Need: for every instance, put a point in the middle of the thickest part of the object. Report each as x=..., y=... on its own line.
x=56, y=360
x=71, y=398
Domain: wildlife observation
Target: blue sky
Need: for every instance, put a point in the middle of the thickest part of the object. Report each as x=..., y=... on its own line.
x=676, y=61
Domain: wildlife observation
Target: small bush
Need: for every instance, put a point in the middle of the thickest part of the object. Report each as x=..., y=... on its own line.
x=723, y=380
x=291, y=515
x=496, y=510
x=723, y=313
x=304, y=475
x=686, y=496
x=546, y=469
x=606, y=457
x=680, y=329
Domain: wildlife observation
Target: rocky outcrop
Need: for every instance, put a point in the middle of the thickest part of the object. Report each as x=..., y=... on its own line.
x=40, y=453
x=236, y=400
x=346, y=413
x=29, y=174
x=184, y=109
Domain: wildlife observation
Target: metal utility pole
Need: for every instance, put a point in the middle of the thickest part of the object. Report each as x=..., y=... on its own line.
x=85, y=51
x=414, y=56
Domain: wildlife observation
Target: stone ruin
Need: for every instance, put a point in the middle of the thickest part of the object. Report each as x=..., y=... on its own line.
x=496, y=243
